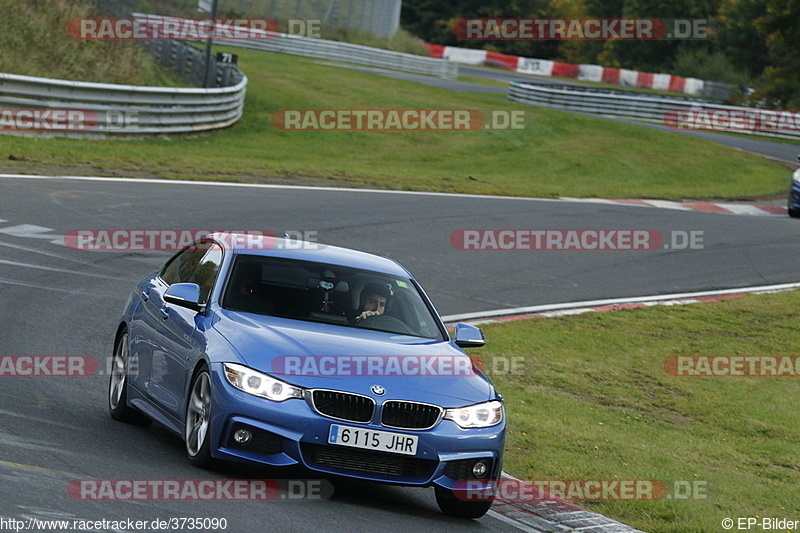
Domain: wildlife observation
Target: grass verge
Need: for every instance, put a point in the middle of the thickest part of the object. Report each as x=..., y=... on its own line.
x=594, y=402
x=556, y=154
x=34, y=42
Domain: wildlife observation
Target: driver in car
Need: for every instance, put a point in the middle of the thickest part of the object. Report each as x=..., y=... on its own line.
x=374, y=297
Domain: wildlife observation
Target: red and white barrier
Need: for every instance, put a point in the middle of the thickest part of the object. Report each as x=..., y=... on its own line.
x=661, y=81
x=546, y=67
x=467, y=56
x=539, y=67
x=590, y=73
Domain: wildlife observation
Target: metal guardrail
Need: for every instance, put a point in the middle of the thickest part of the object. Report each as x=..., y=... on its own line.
x=123, y=109
x=618, y=103
x=189, y=62
x=102, y=109
x=285, y=43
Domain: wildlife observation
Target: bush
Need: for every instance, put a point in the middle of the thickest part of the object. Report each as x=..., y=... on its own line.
x=706, y=65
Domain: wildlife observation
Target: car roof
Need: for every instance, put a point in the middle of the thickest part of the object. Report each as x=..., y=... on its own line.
x=243, y=244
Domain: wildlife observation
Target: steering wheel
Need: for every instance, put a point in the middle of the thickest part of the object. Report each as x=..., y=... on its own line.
x=388, y=323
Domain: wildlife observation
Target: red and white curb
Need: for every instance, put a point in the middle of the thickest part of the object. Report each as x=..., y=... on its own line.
x=549, y=513
x=576, y=308
x=702, y=207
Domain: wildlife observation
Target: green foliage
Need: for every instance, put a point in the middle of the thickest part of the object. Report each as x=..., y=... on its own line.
x=34, y=42
x=401, y=42
x=754, y=42
x=654, y=55
x=433, y=21
x=780, y=25
x=704, y=64
x=743, y=43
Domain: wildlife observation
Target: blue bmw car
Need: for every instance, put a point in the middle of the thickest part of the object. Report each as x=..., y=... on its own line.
x=794, y=194
x=283, y=352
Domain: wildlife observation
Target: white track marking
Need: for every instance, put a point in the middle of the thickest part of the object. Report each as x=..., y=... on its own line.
x=272, y=186
x=53, y=269
x=615, y=301
x=734, y=208
x=57, y=256
x=31, y=231
x=79, y=291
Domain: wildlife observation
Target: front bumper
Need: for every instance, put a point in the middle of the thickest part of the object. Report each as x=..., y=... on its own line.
x=292, y=433
x=794, y=196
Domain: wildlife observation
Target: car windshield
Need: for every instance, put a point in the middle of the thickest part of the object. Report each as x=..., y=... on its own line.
x=333, y=294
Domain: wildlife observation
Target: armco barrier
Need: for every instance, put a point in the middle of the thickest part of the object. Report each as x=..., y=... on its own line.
x=610, y=102
x=599, y=101
x=125, y=109
x=284, y=43
x=189, y=62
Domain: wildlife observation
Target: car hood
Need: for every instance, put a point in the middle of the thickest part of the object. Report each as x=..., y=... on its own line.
x=292, y=350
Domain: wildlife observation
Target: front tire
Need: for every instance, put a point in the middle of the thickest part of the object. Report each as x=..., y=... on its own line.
x=794, y=213
x=450, y=505
x=198, y=421
x=118, y=385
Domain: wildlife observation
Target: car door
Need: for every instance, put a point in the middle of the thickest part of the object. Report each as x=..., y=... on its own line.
x=176, y=338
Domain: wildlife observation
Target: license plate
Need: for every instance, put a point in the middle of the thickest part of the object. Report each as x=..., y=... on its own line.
x=368, y=439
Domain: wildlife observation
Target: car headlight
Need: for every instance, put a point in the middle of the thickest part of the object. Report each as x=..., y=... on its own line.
x=258, y=384
x=796, y=176
x=482, y=415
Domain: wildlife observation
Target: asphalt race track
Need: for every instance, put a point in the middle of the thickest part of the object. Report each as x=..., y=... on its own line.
x=60, y=301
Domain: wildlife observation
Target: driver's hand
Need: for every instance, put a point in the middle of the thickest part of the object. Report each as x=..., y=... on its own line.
x=366, y=314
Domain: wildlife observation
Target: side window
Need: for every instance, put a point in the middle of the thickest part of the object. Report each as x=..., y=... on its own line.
x=198, y=264
x=179, y=269
x=207, y=270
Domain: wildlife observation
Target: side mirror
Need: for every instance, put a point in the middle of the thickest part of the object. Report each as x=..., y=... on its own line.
x=468, y=336
x=185, y=295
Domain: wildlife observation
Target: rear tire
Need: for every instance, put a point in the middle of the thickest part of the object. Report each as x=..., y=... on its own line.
x=118, y=385
x=452, y=506
x=794, y=213
x=198, y=421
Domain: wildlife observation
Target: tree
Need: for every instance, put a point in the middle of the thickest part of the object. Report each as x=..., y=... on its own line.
x=781, y=25
x=432, y=21
x=743, y=43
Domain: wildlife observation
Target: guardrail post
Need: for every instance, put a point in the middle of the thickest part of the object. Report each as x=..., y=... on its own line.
x=207, y=78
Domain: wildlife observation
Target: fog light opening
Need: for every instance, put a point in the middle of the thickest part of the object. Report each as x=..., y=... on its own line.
x=479, y=469
x=242, y=437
